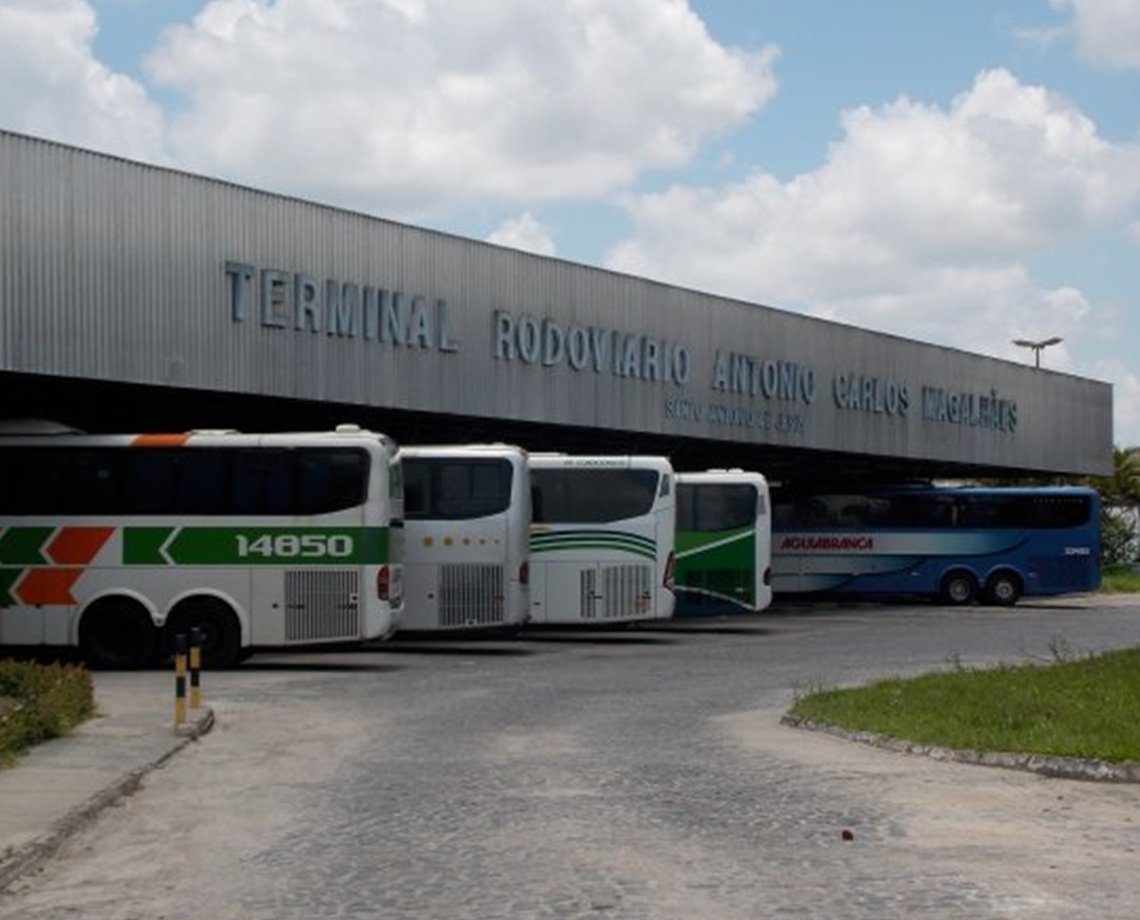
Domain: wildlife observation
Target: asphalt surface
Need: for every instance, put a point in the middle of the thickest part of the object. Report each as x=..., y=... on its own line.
x=58, y=787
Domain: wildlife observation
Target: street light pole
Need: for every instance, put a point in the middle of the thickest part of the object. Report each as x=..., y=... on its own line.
x=1038, y=347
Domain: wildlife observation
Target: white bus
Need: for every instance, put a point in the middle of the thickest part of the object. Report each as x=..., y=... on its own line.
x=117, y=543
x=601, y=546
x=724, y=543
x=467, y=511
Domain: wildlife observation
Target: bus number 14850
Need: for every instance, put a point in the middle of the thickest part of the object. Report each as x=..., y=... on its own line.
x=292, y=546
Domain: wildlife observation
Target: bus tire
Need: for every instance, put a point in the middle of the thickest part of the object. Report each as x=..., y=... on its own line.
x=1003, y=589
x=215, y=619
x=117, y=634
x=958, y=589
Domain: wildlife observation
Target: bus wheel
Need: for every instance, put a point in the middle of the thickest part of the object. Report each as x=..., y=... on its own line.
x=958, y=589
x=117, y=633
x=1003, y=589
x=219, y=626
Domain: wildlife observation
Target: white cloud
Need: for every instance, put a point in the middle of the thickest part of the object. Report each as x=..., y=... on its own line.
x=1042, y=37
x=1108, y=31
x=1125, y=401
x=526, y=233
x=417, y=105
x=52, y=86
x=919, y=223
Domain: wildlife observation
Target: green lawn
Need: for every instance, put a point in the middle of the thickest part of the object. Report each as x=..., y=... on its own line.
x=1120, y=579
x=1087, y=708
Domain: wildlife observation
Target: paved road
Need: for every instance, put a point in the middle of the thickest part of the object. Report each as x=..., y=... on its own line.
x=641, y=773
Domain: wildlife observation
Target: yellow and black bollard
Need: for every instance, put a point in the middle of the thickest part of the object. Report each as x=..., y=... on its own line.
x=195, y=670
x=179, y=681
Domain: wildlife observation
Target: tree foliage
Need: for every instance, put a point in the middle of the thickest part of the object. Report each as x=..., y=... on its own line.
x=1120, y=494
x=1117, y=538
x=1122, y=487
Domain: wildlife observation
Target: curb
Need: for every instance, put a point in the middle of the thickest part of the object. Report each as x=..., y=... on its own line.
x=1041, y=764
x=31, y=855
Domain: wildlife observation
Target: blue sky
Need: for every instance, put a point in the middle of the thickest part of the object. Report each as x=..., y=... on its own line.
x=961, y=173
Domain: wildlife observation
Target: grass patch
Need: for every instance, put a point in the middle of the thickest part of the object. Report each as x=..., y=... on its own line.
x=1120, y=579
x=1085, y=708
x=40, y=701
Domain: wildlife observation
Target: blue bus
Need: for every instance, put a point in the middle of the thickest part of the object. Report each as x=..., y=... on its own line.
x=959, y=544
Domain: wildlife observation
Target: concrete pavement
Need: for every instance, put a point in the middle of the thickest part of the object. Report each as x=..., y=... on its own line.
x=56, y=787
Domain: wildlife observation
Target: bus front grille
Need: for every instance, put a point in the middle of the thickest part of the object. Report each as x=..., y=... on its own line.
x=626, y=594
x=471, y=595
x=588, y=593
x=627, y=591
x=322, y=605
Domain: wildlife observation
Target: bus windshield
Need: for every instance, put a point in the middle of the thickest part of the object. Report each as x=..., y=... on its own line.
x=584, y=494
x=721, y=507
x=438, y=488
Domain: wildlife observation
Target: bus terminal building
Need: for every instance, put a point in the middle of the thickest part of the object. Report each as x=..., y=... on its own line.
x=136, y=298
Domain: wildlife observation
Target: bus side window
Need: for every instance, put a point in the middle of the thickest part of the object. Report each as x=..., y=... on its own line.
x=29, y=478
x=814, y=513
x=203, y=475
x=148, y=486
x=92, y=483
x=263, y=481
x=783, y=514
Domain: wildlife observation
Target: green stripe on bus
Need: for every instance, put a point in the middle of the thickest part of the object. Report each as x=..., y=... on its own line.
x=540, y=539
x=554, y=545
x=255, y=545
x=593, y=539
x=589, y=535
x=21, y=545
x=8, y=577
x=540, y=535
x=720, y=564
x=692, y=542
x=142, y=545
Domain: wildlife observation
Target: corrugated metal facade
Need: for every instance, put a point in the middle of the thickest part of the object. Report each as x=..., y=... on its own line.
x=118, y=271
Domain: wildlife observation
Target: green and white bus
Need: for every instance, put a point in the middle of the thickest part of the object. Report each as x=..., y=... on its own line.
x=467, y=530
x=117, y=543
x=724, y=543
x=601, y=544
